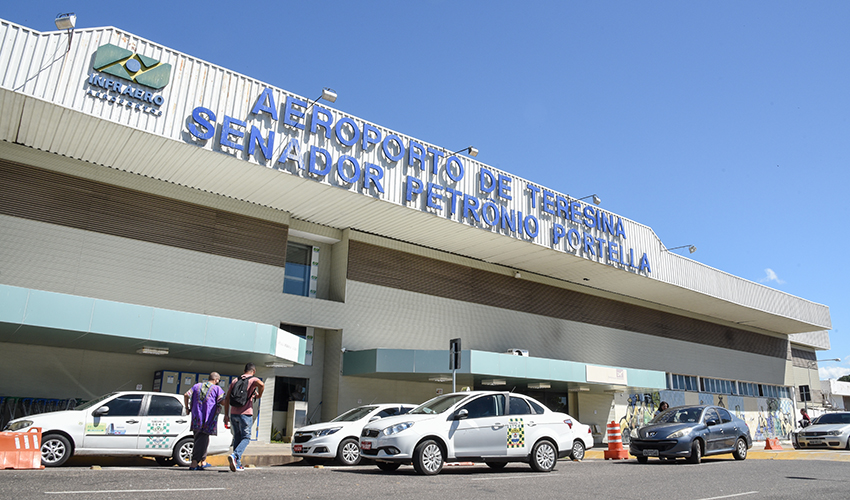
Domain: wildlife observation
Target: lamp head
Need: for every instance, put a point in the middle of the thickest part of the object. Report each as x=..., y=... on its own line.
x=329, y=94
x=66, y=21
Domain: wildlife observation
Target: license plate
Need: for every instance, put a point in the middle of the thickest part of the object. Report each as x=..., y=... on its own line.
x=297, y=448
x=815, y=441
x=650, y=453
x=366, y=445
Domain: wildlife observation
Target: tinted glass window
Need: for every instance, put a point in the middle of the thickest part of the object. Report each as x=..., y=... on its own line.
x=296, y=280
x=537, y=408
x=710, y=414
x=388, y=412
x=519, y=407
x=127, y=405
x=725, y=416
x=485, y=406
x=164, y=405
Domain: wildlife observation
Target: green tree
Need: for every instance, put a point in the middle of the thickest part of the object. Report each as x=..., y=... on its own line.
x=845, y=378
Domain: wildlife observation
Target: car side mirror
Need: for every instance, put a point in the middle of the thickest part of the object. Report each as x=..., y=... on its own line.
x=461, y=414
x=376, y=417
x=103, y=410
x=711, y=422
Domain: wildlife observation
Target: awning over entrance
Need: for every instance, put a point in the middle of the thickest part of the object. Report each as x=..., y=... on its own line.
x=490, y=368
x=62, y=320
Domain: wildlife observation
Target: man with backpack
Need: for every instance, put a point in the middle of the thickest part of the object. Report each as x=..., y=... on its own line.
x=239, y=412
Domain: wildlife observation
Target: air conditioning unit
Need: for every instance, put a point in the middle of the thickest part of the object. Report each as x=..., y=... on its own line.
x=517, y=352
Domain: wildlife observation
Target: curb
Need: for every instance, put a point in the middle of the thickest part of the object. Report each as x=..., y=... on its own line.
x=754, y=454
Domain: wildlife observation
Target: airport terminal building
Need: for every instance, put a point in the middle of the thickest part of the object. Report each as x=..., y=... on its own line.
x=162, y=217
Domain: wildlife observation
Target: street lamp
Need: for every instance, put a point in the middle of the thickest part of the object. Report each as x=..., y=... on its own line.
x=809, y=367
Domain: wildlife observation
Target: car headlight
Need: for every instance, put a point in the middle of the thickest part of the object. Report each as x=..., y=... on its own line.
x=834, y=433
x=327, y=432
x=681, y=433
x=634, y=434
x=20, y=424
x=395, y=429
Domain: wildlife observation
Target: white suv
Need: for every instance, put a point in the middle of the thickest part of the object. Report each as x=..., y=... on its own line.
x=121, y=424
x=479, y=426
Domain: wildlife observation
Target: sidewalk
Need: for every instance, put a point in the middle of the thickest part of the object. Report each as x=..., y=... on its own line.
x=260, y=455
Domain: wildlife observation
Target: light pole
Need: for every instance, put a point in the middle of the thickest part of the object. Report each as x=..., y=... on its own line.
x=809, y=367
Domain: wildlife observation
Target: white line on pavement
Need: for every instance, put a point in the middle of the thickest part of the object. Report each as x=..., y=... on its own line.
x=491, y=478
x=731, y=496
x=127, y=491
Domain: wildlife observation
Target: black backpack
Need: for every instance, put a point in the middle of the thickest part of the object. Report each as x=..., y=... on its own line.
x=239, y=392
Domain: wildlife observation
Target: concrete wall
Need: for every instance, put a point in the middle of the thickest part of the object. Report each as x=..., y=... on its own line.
x=387, y=318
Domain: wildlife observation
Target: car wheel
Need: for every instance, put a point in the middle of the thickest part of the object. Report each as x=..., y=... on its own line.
x=577, y=453
x=388, y=466
x=696, y=453
x=642, y=460
x=55, y=450
x=164, y=461
x=349, y=452
x=740, y=452
x=543, y=456
x=428, y=458
x=496, y=465
x=183, y=452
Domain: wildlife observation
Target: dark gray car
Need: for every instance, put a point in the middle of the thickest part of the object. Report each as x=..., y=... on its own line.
x=691, y=432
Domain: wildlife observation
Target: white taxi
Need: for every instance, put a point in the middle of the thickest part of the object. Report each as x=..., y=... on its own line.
x=338, y=438
x=150, y=424
x=477, y=426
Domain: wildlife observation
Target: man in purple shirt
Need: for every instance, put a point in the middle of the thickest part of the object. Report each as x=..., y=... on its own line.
x=202, y=403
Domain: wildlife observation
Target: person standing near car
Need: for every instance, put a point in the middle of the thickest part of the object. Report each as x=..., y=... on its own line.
x=239, y=412
x=805, y=421
x=201, y=403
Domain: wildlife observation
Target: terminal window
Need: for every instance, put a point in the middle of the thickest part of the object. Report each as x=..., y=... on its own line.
x=296, y=280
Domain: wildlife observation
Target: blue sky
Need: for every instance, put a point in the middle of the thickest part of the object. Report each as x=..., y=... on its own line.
x=718, y=124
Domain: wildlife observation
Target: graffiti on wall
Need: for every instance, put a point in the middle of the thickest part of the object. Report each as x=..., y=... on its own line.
x=766, y=417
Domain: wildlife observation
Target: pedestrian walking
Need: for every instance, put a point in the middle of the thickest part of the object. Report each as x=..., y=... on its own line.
x=239, y=412
x=201, y=403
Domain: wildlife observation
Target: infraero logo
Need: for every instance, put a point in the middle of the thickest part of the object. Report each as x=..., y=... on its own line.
x=115, y=61
x=141, y=70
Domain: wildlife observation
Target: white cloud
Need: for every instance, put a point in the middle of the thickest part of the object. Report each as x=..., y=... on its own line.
x=770, y=275
x=833, y=372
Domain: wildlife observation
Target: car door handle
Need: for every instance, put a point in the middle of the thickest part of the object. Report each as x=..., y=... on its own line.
x=531, y=424
x=132, y=421
x=497, y=425
x=181, y=421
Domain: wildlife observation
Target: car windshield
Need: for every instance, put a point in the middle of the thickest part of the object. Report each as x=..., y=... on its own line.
x=439, y=404
x=354, y=414
x=833, y=418
x=95, y=401
x=678, y=416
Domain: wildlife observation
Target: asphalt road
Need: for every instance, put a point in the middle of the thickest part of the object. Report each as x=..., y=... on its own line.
x=714, y=479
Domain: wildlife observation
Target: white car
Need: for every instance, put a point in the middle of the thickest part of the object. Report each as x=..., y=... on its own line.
x=830, y=430
x=478, y=426
x=339, y=438
x=150, y=424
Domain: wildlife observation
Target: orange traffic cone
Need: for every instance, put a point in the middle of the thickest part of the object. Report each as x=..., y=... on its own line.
x=772, y=444
x=21, y=450
x=615, y=449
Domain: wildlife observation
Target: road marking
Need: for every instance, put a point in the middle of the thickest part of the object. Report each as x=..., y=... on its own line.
x=731, y=496
x=128, y=491
x=529, y=476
